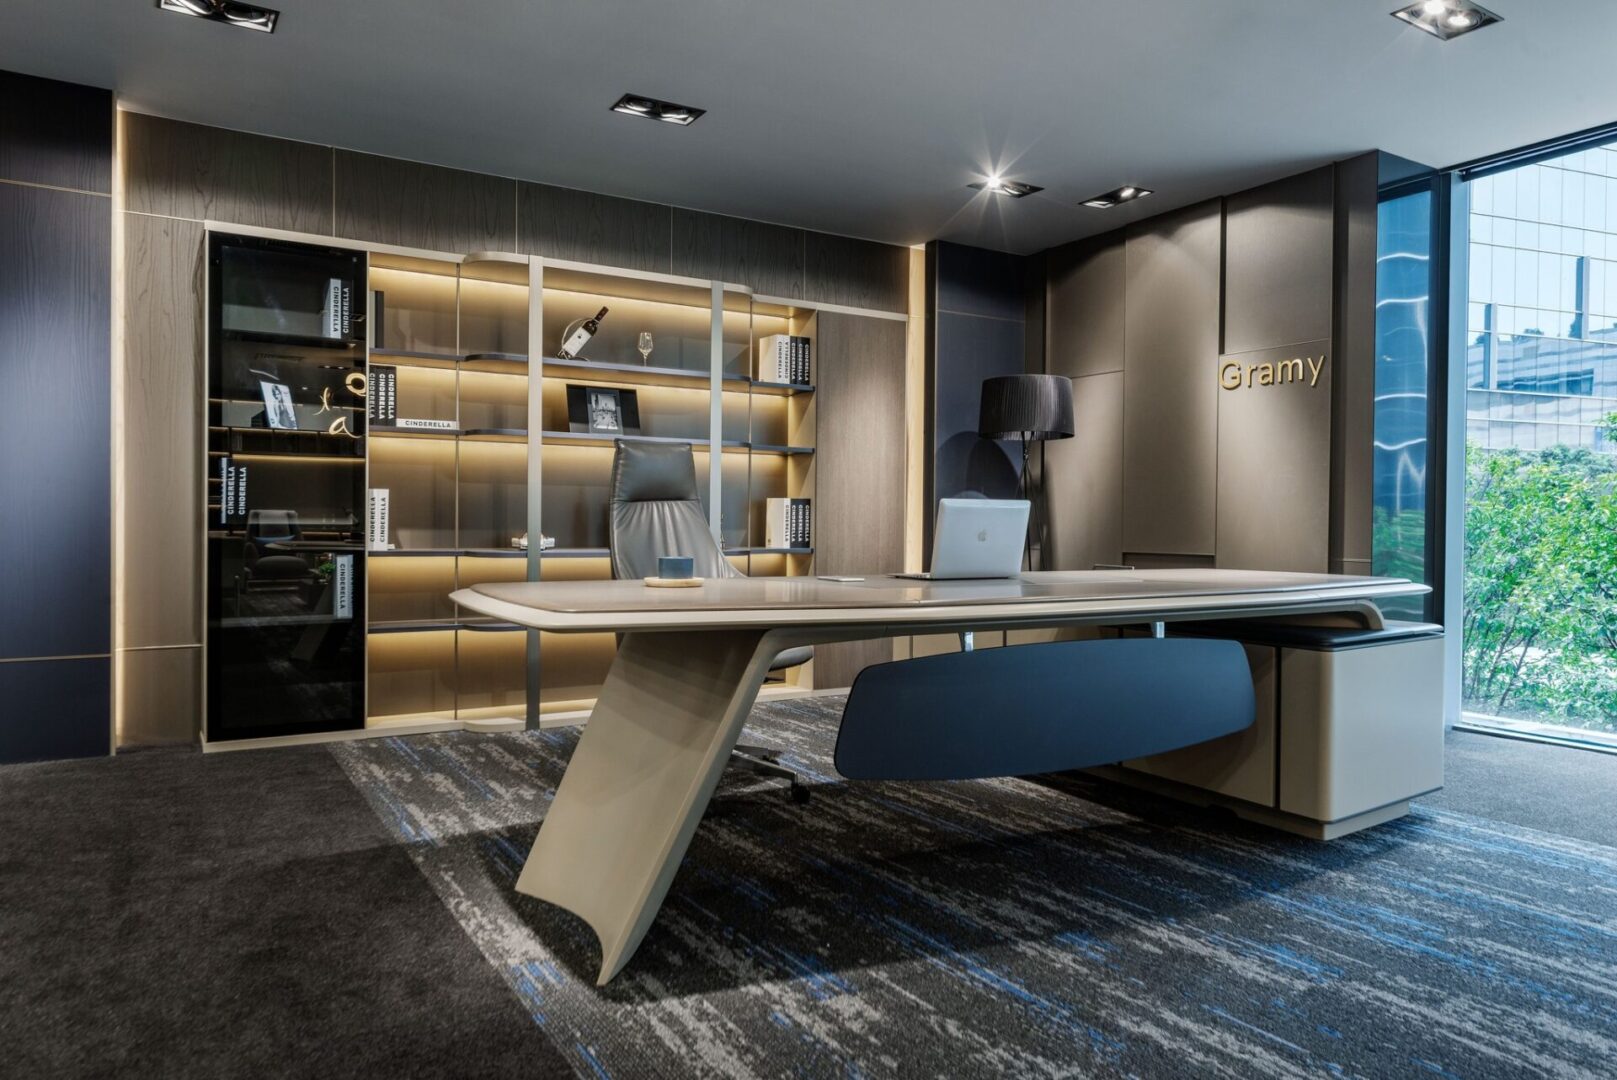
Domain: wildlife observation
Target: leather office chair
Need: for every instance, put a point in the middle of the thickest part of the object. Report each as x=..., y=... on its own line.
x=655, y=510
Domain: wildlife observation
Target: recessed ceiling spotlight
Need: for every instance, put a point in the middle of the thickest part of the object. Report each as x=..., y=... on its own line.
x=226, y=11
x=1126, y=193
x=1445, y=19
x=652, y=109
x=998, y=185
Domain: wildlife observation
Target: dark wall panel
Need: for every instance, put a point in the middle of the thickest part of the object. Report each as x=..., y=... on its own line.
x=969, y=350
x=203, y=173
x=561, y=223
x=975, y=281
x=1170, y=394
x=55, y=133
x=401, y=202
x=1084, y=306
x=768, y=258
x=1278, y=262
x=55, y=445
x=859, y=466
x=855, y=273
x=56, y=709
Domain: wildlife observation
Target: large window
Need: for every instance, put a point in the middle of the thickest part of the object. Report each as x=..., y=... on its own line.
x=1540, y=627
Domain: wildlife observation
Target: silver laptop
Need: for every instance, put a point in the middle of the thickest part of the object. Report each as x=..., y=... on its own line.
x=977, y=538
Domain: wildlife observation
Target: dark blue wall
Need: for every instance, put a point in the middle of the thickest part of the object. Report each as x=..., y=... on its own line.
x=976, y=329
x=55, y=437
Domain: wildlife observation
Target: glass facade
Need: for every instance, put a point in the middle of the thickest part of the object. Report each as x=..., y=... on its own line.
x=1540, y=633
x=1403, y=340
x=1541, y=359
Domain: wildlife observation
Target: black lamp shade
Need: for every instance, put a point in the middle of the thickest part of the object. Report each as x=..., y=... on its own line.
x=1026, y=407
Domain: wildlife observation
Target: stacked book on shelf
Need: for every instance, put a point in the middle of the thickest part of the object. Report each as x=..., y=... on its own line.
x=786, y=358
x=788, y=523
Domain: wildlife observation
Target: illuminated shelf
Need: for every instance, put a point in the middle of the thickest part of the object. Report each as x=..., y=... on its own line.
x=584, y=438
x=416, y=358
x=557, y=368
x=782, y=389
x=767, y=448
x=769, y=551
x=431, y=626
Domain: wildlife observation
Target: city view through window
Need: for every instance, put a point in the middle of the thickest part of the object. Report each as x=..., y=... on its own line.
x=1541, y=444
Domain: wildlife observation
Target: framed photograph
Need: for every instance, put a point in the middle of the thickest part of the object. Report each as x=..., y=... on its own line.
x=603, y=410
x=278, y=410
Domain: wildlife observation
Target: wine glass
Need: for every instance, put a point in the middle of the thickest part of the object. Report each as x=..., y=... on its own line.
x=645, y=346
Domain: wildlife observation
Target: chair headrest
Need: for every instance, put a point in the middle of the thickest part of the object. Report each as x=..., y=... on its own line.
x=653, y=472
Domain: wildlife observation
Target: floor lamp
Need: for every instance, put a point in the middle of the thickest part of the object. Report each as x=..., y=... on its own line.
x=1027, y=408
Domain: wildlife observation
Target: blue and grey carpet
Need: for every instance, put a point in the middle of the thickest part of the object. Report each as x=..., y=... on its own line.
x=1022, y=928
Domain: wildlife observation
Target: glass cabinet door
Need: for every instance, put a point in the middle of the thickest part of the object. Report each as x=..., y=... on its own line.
x=286, y=488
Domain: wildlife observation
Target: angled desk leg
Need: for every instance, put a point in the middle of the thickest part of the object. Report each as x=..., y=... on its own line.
x=640, y=779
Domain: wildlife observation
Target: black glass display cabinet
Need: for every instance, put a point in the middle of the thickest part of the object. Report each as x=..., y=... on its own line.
x=286, y=488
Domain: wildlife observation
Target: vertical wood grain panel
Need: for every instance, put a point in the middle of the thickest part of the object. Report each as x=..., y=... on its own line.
x=768, y=258
x=562, y=223
x=388, y=201
x=203, y=173
x=55, y=133
x=855, y=273
x=162, y=435
x=1170, y=388
x=1277, y=263
x=859, y=461
x=1086, y=307
x=56, y=709
x=160, y=692
x=55, y=443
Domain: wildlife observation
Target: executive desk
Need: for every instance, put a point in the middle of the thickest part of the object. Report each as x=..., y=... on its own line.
x=691, y=662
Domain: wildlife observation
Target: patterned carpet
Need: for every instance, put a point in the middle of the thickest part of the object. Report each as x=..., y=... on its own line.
x=1029, y=929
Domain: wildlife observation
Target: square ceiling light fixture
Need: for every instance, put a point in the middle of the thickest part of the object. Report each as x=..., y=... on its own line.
x=226, y=11
x=1126, y=193
x=1446, y=19
x=652, y=109
x=998, y=185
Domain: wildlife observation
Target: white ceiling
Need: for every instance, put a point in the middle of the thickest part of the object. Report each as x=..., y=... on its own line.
x=862, y=117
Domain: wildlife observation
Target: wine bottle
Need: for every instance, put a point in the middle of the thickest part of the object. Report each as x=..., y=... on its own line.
x=581, y=336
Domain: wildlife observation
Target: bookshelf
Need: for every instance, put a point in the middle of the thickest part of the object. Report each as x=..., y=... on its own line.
x=446, y=389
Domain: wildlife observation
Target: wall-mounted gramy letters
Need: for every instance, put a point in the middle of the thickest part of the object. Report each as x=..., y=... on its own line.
x=1236, y=374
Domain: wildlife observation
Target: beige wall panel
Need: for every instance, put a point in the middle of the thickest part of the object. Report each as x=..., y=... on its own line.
x=162, y=432
x=1353, y=420
x=1083, y=478
x=427, y=206
x=1277, y=263
x=1170, y=402
x=160, y=696
x=190, y=171
x=1274, y=466
x=1085, y=307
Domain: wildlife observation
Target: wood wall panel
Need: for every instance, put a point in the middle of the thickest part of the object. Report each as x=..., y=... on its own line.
x=389, y=201
x=767, y=258
x=160, y=696
x=1170, y=390
x=1277, y=263
x=55, y=133
x=202, y=173
x=162, y=436
x=561, y=223
x=859, y=465
x=56, y=709
x=55, y=443
x=855, y=273
x=1085, y=308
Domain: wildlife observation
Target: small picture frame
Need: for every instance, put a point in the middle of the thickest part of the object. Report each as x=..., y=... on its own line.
x=603, y=410
x=279, y=412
